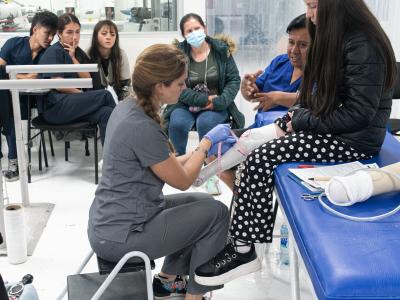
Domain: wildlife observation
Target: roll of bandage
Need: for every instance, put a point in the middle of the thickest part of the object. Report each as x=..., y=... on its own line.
x=362, y=184
x=14, y=222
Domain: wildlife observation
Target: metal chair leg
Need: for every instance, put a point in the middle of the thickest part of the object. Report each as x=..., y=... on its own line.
x=29, y=142
x=40, y=151
x=87, y=152
x=44, y=150
x=66, y=150
x=96, y=158
x=51, y=143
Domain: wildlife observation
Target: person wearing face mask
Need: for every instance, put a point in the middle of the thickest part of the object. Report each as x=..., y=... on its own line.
x=112, y=60
x=212, y=84
x=23, y=51
x=275, y=90
x=67, y=105
x=343, y=107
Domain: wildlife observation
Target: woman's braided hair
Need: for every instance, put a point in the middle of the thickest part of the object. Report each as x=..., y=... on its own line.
x=160, y=63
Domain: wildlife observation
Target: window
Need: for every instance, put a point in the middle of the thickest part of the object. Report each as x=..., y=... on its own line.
x=129, y=15
x=259, y=30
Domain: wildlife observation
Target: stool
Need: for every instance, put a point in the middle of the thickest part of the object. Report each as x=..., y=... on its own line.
x=93, y=285
x=132, y=265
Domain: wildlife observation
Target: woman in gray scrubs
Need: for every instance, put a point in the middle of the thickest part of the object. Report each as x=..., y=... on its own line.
x=129, y=211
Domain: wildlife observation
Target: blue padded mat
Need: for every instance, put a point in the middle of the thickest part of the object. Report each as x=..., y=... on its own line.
x=346, y=259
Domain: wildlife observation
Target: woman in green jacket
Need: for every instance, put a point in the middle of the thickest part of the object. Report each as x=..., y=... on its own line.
x=209, y=97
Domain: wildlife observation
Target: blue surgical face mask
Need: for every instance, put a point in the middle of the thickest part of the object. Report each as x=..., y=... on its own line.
x=196, y=38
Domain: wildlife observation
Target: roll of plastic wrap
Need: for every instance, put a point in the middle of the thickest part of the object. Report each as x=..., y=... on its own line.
x=14, y=222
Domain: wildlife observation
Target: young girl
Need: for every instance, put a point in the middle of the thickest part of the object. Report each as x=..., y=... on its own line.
x=112, y=60
x=345, y=102
x=69, y=104
x=129, y=211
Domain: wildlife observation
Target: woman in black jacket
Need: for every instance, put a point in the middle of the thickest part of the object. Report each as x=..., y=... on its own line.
x=344, y=105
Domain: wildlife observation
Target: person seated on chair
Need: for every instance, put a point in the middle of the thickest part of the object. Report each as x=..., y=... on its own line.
x=66, y=105
x=212, y=84
x=276, y=88
x=112, y=60
x=24, y=51
x=344, y=105
x=129, y=211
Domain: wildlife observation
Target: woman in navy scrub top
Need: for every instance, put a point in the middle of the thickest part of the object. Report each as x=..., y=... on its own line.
x=67, y=105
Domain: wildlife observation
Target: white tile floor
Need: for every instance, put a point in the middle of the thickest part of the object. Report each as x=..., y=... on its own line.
x=63, y=244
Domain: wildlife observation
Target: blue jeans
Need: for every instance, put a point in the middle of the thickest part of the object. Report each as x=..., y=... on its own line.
x=182, y=121
x=11, y=142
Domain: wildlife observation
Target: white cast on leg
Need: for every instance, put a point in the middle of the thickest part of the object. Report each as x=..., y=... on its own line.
x=250, y=140
x=358, y=187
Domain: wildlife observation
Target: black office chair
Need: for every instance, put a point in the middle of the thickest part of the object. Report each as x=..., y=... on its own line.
x=38, y=123
x=31, y=106
x=394, y=124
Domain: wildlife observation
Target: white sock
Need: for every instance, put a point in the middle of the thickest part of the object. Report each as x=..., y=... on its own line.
x=242, y=247
x=250, y=140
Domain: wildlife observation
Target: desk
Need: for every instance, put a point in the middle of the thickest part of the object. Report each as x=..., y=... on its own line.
x=345, y=259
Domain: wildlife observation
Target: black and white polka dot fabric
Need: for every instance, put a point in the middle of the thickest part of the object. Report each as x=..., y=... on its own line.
x=253, y=202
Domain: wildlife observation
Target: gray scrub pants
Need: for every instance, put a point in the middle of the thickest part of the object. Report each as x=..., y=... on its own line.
x=188, y=232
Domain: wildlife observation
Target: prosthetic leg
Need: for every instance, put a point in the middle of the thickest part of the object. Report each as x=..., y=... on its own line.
x=361, y=185
x=250, y=140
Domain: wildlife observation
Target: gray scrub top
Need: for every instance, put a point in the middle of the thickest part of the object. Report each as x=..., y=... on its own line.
x=129, y=193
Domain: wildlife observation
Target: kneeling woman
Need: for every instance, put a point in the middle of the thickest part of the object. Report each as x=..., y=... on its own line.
x=129, y=211
x=68, y=104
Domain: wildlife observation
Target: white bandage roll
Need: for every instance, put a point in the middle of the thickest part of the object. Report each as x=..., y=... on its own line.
x=250, y=140
x=361, y=185
x=14, y=222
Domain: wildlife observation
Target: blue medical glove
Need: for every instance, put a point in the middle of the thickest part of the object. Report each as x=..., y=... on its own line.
x=219, y=133
x=226, y=145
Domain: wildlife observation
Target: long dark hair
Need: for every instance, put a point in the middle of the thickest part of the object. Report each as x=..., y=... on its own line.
x=322, y=73
x=115, y=55
x=64, y=20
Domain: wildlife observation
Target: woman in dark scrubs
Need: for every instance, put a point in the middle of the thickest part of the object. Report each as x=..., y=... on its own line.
x=67, y=105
